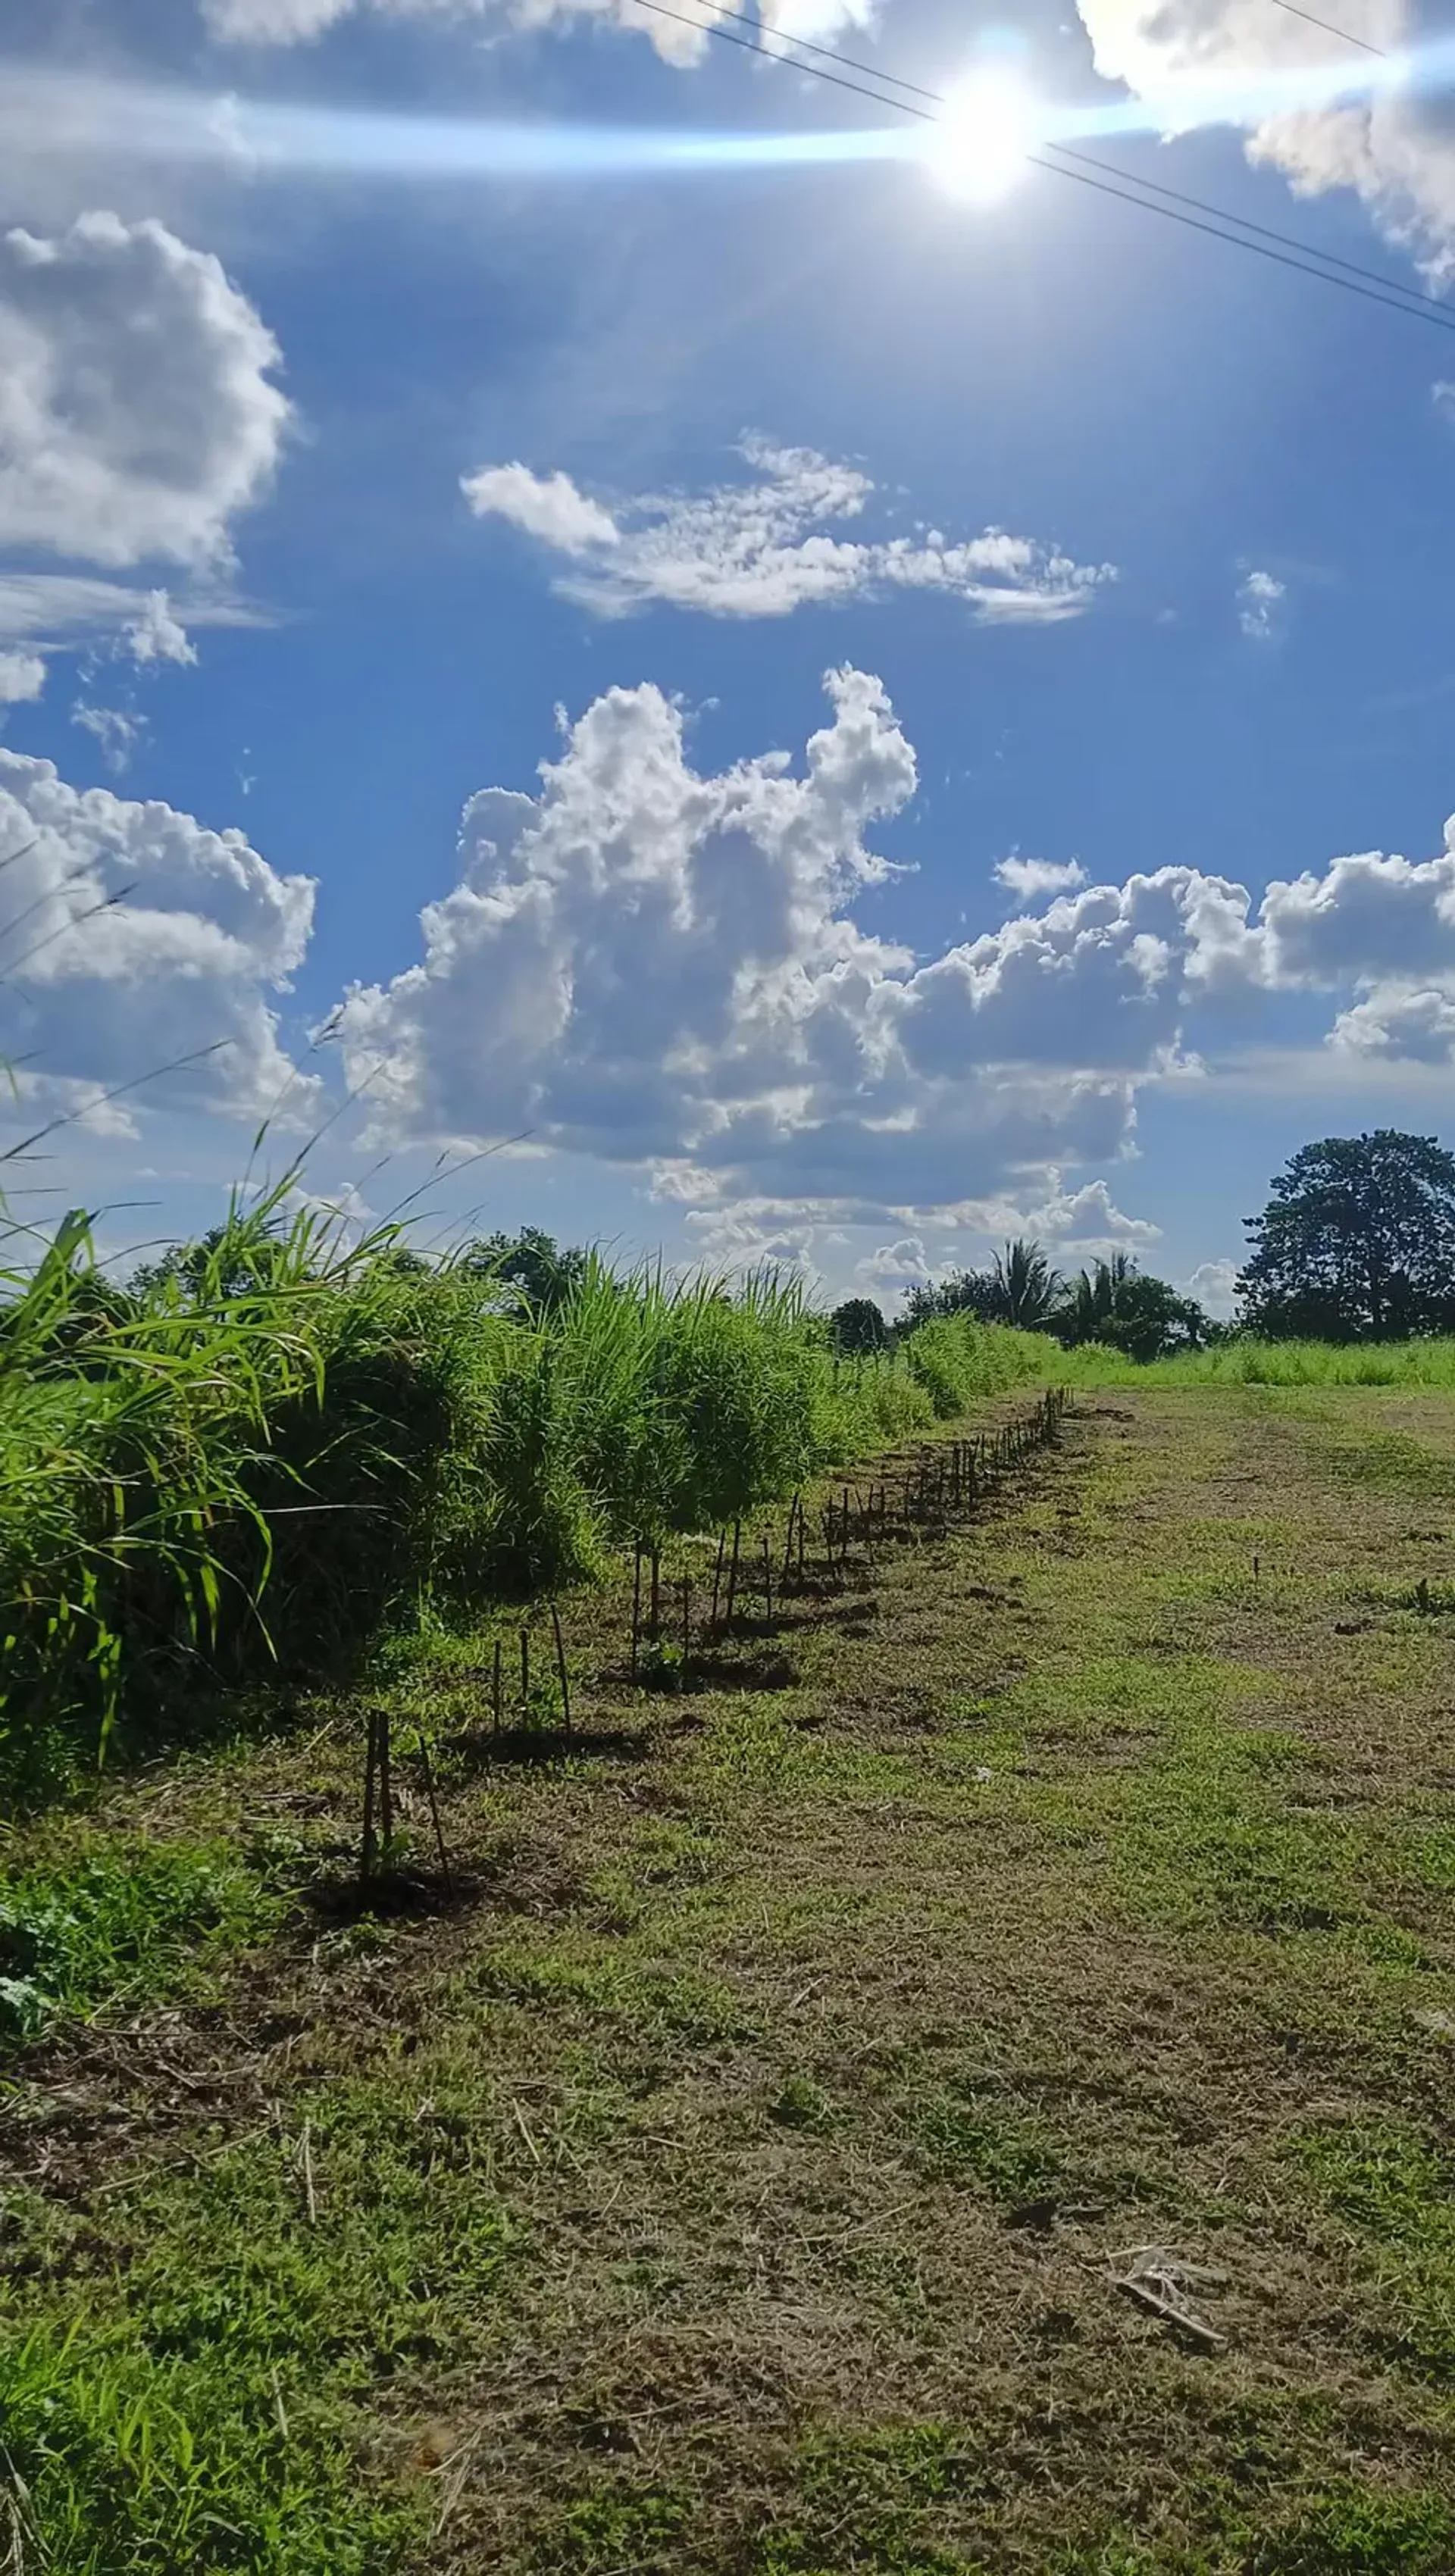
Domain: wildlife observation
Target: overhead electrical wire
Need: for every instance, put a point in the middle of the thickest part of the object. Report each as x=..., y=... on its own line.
x=1106, y=177
x=1330, y=29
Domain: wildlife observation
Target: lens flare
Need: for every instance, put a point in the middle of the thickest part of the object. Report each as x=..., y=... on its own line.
x=978, y=145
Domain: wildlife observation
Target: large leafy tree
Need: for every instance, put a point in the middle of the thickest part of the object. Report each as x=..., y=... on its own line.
x=1357, y=1242
x=858, y=1326
x=534, y=1273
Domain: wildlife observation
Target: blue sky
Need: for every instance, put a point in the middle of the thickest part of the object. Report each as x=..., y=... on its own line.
x=335, y=491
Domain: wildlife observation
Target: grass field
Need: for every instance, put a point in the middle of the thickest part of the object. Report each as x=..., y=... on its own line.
x=739, y=2170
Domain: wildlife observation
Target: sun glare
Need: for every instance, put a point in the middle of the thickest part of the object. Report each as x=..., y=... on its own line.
x=981, y=138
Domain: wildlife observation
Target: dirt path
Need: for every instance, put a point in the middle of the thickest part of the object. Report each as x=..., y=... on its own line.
x=745, y=2182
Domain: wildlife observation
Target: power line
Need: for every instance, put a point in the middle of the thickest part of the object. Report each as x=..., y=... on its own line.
x=1330, y=29
x=1110, y=169
x=827, y=53
x=1387, y=285
x=1285, y=249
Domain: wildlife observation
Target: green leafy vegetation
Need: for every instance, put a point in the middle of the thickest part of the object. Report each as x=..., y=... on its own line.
x=120, y=1922
x=274, y=1448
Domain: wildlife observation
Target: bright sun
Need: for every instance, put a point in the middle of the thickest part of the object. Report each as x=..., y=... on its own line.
x=981, y=138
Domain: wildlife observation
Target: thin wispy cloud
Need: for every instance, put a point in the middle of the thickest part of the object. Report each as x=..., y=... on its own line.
x=772, y=542
x=1260, y=599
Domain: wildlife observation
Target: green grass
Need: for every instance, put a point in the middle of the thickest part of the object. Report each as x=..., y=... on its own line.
x=120, y=1924
x=120, y=2463
x=1244, y=1360
x=734, y=2184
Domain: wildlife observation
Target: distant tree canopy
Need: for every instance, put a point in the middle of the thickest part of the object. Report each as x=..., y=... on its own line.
x=1127, y=1309
x=533, y=1269
x=858, y=1327
x=1112, y=1302
x=1019, y=1288
x=227, y=1261
x=1357, y=1242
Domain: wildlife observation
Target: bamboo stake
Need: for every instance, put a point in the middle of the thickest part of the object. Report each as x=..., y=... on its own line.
x=561, y=1673
x=717, y=1572
x=386, y=1788
x=499, y=1694
x=434, y=1808
x=767, y=1579
x=636, y=1608
x=686, y=1621
x=525, y=1676
x=793, y=1511
x=366, y=1839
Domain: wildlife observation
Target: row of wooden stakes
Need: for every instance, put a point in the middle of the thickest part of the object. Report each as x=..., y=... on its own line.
x=951, y=1478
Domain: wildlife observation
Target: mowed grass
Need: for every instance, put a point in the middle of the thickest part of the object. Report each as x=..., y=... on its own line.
x=737, y=2177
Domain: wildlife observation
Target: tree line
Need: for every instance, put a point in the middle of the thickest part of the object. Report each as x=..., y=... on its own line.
x=1355, y=1244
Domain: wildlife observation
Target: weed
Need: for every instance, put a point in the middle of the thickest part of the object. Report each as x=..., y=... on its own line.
x=1360, y=2531
x=120, y=1923
x=1013, y=2158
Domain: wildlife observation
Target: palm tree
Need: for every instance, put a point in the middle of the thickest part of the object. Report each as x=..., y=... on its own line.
x=1024, y=1287
x=1098, y=1297
x=1117, y=1303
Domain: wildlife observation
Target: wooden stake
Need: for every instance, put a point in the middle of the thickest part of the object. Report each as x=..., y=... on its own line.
x=499, y=1694
x=636, y=1608
x=434, y=1808
x=386, y=1789
x=717, y=1575
x=732, y=1589
x=561, y=1673
x=525, y=1676
x=656, y=1591
x=793, y=1512
x=686, y=1621
x=767, y=1579
x=367, y=1849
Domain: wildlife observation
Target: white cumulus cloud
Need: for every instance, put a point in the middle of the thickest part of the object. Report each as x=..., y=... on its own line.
x=771, y=543
x=1214, y=1285
x=661, y=967
x=547, y=506
x=156, y=635
x=891, y=1268
x=1396, y=149
x=1086, y=1221
x=22, y=677
x=138, y=411
x=1031, y=879
x=130, y=935
x=655, y=966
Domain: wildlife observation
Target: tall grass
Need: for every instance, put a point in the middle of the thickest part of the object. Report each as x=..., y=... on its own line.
x=1246, y=1361
x=285, y=1440
x=255, y=1461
